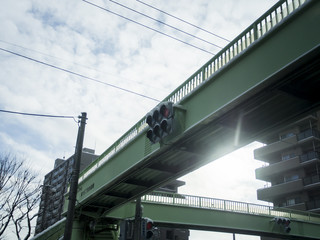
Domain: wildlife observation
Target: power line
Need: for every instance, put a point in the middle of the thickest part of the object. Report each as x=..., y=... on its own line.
x=37, y=115
x=150, y=28
x=180, y=19
x=81, y=65
x=79, y=75
x=168, y=25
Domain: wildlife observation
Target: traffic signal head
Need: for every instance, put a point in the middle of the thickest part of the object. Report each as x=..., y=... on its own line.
x=278, y=220
x=285, y=222
x=166, y=109
x=160, y=121
x=148, y=228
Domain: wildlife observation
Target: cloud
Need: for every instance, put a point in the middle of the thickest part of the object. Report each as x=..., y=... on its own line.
x=76, y=36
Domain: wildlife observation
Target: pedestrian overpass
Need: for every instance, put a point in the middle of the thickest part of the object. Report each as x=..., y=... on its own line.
x=196, y=213
x=264, y=79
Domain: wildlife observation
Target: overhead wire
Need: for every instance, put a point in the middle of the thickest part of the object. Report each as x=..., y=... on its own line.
x=37, y=114
x=180, y=19
x=78, y=64
x=168, y=25
x=150, y=28
x=79, y=75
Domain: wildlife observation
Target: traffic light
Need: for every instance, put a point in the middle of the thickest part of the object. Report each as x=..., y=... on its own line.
x=285, y=222
x=160, y=121
x=148, y=229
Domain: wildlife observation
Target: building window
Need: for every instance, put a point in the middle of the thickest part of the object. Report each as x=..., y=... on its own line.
x=290, y=178
x=286, y=135
x=291, y=201
x=288, y=156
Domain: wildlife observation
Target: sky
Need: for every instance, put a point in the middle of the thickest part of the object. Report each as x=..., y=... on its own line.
x=113, y=53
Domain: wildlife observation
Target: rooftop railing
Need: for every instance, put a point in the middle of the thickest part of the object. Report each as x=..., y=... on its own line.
x=250, y=35
x=227, y=205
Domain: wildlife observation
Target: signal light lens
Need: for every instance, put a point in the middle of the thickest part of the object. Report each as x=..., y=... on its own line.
x=149, y=120
x=156, y=115
x=149, y=234
x=279, y=221
x=166, y=125
x=149, y=225
x=157, y=130
x=164, y=111
x=150, y=135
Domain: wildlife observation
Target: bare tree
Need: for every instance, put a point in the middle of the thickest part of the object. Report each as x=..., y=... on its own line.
x=19, y=196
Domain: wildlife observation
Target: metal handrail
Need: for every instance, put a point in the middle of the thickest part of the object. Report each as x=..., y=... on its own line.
x=268, y=21
x=228, y=205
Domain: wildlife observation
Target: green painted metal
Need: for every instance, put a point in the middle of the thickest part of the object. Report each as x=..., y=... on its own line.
x=202, y=213
x=54, y=232
x=106, y=230
x=245, y=67
x=199, y=213
x=256, y=32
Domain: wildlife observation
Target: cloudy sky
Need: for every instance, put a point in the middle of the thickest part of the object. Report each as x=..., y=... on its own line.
x=40, y=37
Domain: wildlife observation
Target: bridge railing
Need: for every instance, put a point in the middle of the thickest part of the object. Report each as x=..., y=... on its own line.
x=228, y=205
x=254, y=32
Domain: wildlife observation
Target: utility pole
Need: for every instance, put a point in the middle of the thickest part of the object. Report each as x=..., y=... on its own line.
x=137, y=220
x=75, y=178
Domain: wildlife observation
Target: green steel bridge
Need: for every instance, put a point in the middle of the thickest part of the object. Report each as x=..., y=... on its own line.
x=264, y=79
x=198, y=213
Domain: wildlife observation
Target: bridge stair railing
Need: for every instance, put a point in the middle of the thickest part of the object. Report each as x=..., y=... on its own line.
x=228, y=205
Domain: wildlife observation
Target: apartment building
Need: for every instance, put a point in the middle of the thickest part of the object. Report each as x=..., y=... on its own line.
x=292, y=169
x=55, y=186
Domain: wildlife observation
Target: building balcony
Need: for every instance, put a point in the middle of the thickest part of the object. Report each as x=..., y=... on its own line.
x=311, y=118
x=313, y=206
x=309, y=158
x=312, y=181
x=310, y=137
x=266, y=173
x=273, y=151
x=270, y=151
x=301, y=206
x=298, y=206
x=310, y=133
x=283, y=189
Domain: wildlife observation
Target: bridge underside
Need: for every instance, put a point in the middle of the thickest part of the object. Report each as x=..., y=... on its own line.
x=294, y=92
x=273, y=82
